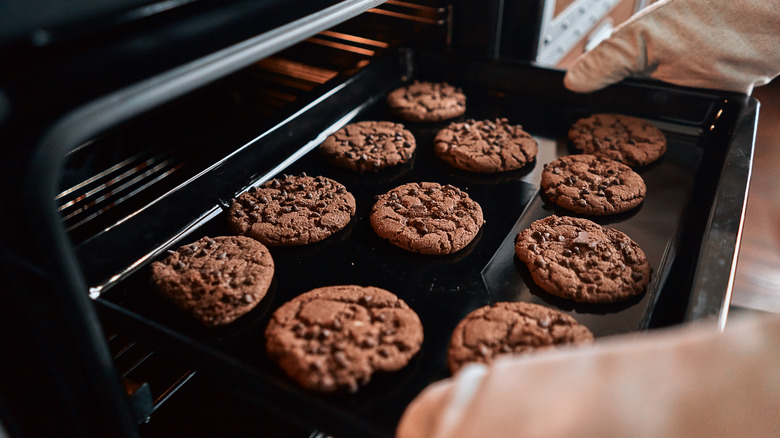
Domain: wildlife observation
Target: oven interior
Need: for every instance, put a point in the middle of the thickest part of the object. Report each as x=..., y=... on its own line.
x=163, y=178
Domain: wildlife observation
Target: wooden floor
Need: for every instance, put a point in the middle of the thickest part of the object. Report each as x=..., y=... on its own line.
x=757, y=281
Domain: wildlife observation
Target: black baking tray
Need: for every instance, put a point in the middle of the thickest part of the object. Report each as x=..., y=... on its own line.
x=688, y=225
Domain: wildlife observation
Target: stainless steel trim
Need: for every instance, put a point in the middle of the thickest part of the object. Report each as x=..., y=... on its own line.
x=720, y=247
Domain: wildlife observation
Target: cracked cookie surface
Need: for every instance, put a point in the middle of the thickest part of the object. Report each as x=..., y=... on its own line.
x=292, y=210
x=511, y=328
x=427, y=102
x=369, y=146
x=485, y=146
x=216, y=280
x=578, y=259
x=427, y=218
x=626, y=139
x=336, y=337
x=592, y=185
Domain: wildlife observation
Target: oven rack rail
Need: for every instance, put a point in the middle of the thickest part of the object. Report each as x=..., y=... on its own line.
x=149, y=378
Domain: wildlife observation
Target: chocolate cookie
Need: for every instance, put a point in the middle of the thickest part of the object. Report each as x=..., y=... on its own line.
x=578, y=259
x=369, y=146
x=485, y=146
x=336, y=337
x=427, y=218
x=511, y=328
x=630, y=140
x=427, y=102
x=292, y=210
x=215, y=280
x=588, y=184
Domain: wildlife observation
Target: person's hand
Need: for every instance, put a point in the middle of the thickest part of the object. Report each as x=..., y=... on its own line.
x=685, y=382
x=721, y=44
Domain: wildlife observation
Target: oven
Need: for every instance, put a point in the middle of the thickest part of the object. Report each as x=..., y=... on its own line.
x=129, y=127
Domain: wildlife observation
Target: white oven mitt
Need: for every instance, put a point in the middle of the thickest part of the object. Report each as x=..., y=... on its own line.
x=722, y=44
x=683, y=382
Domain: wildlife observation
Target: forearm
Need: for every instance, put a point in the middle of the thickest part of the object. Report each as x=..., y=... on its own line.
x=677, y=383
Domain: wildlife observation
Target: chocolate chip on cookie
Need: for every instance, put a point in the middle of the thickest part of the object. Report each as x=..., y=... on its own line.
x=217, y=279
x=292, y=210
x=427, y=102
x=336, y=337
x=578, y=259
x=427, y=218
x=592, y=185
x=485, y=146
x=369, y=146
x=627, y=139
x=511, y=328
